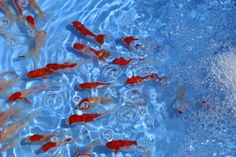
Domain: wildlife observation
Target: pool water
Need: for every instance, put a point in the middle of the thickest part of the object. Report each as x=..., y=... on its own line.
x=191, y=43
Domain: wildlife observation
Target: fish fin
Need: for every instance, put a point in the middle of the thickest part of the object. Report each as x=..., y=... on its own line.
x=42, y=16
x=100, y=38
x=105, y=101
x=11, y=19
x=108, y=112
x=31, y=53
x=26, y=100
x=105, y=54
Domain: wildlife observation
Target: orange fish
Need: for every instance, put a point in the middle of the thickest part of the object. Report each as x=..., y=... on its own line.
x=9, y=13
x=57, y=66
x=16, y=4
x=116, y=145
x=86, y=117
x=100, y=54
x=40, y=73
x=53, y=145
x=88, y=103
x=22, y=95
x=128, y=40
x=121, y=61
x=88, y=152
x=35, y=5
x=13, y=129
x=85, y=32
x=30, y=20
x=92, y=85
x=6, y=115
x=134, y=80
x=40, y=38
x=8, y=146
x=36, y=138
x=5, y=84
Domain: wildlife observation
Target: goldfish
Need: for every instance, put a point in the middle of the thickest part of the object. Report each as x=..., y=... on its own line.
x=40, y=73
x=86, y=117
x=7, y=114
x=92, y=85
x=134, y=80
x=116, y=145
x=30, y=20
x=40, y=38
x=5, y=84
x=121, y=61
x=9, y=13
x=85, y=32
x=100, y=54
x=13, y=129
x=35, y=5
x=36, y=138
x=53, y=145
x=5, y=33
x=8, y=146
x=180, y=102
x=88, y=152
x=56, y=66
x=88, y=103
x=128, y=40
x=20, y=11
x=22, y=95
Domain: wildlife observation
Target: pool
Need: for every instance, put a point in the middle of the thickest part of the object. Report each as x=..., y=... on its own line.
x=167, y=92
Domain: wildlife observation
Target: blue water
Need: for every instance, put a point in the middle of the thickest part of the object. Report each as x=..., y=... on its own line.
x=191, y=43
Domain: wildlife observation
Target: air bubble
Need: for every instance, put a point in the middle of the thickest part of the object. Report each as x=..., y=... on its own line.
x=111, y=72
x=11, y=41
x=126, y=115
x=53, y=100
x=5, y=22
x=107, y=134
x=23, y=3
x=134, y=97
x=31, y=32
x=76, y=98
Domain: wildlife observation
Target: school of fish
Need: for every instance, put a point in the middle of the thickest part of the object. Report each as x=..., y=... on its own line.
x=44, y=139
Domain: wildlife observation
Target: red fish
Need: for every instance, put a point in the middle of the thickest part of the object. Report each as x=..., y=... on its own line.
x=121, y=61
x=57, y=66
x=86, y=117
x=30, y=20
x=85, y=32
x=101, y=54
x=35, y=138
x=116, y=145
x=40, y=73
x=6, y=115
x=88, y=152
x=22, y=95
x=92, y=85
x=14, y=128
x=138, y=79
x=16, y=4
x=128, y=40
x=88, y=103
x=52, y=145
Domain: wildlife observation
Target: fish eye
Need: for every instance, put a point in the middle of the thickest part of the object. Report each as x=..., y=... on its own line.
x=84, y=105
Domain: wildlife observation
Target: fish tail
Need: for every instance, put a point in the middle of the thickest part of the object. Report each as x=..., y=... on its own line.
x=31, y=53
x=105, y=101
x=102, y=54
x=108, y=111
x=100, y=38
x=11, y=18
